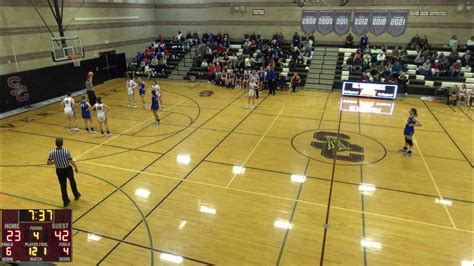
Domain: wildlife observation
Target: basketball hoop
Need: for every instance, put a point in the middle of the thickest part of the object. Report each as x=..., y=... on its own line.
x=75, y=58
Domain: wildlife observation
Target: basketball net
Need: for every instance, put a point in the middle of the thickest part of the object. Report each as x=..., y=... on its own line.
x=76, y=59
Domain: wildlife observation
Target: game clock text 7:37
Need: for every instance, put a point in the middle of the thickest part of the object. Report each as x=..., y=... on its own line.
x=36, y=235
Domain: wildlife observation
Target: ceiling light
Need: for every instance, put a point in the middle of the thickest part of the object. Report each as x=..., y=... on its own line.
x=142, y=193
x=283, y=224
x=237, y=170
x=93, y=237
x=208, y=210
x=444, y=202
x=371, y=244
x=171, y=258
x=183, y=159
x=298, y=178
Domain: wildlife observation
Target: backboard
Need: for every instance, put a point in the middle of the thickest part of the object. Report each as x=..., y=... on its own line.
x=66, y=48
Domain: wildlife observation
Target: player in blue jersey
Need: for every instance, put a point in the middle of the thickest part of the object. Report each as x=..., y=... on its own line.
x=86, y=115
x=142, y=90
x=409, y=131
x=155, y=98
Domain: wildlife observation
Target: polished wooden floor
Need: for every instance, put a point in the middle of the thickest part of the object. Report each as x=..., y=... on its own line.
x=186, y=178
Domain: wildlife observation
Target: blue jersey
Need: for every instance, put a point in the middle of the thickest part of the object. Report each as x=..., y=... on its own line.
x=154, y=102
x=86, y=114
x=141, y=88
x=261, y=76
x=410, y=126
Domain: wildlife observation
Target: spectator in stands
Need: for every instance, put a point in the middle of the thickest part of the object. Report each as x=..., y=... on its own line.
x=211, y=76
x=403, y=80
x=247, y=62
x=453, y=95
x=296, y=39
x=453, y=42
x=396, y=69
x=456, y=69
x=364, y=41
x=415, y=42
x=396, y=53
x=295, y=82
x=161, y=68
x=424, y=43
x=349, y=41
x=364, y=77
x=468, y=95
x=470, y=43
x=453, y=56
x=381, y=57
x=419, y=59
x=425, y=69
x=148, y=71
x=154, y=63
x=466, y=58
x=435, y=68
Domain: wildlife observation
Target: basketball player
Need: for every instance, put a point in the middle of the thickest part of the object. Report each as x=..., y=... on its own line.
x=409, y=130
x=142, y=90
x=156, y=87
x=131, y=85
x=68, y=105
x=101, y=109
x=252, y=94
x=155, y=106
x=245, y=79
x=90, y=88
x=86, y=115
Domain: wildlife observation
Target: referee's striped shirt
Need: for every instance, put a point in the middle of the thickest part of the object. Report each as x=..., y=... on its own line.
x=61, y=157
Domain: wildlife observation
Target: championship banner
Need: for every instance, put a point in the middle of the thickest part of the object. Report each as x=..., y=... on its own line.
x=360, y=23
x=342, y=22
x=308, y=21
x=398, y=22
x=379, y=22
x=325, y=22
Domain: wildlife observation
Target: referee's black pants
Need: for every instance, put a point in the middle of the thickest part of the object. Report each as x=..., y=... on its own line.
x=63, y=175
x=92, y=98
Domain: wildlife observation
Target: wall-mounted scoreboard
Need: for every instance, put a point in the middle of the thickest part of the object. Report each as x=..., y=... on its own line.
x=36, y=235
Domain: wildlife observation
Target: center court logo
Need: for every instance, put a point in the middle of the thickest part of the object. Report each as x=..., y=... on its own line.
x=348, y=148
x=206, y=93
x=333, y=145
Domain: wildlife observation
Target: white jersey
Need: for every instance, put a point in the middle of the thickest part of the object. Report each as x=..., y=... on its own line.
x=156, y=87
x=68, y=106
x=252, y=89
x=100, y=112
x=130, y=86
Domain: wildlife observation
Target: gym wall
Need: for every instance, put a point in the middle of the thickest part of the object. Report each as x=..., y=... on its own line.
x=284, y=16
x=23, y=30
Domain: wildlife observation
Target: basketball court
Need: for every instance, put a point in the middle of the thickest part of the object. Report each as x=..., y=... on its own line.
x=219, y=184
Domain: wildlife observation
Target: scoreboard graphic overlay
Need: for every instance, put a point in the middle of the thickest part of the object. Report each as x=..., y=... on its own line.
x=36, y=235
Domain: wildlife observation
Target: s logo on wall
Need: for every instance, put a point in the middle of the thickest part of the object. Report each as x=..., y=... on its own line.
x=376, y=21
x=18, y=90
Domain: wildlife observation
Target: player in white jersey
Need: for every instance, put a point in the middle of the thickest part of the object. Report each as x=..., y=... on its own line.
x=156, y=87
x=253, y=87
x=68, y=105
x=102, y=109
x=131, y=86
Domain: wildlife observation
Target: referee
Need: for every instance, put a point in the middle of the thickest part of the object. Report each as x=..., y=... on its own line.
x=63, y=161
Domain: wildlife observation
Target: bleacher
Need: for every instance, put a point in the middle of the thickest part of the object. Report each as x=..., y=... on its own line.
x=176, y=56
x=235, y=47
x=417, y=84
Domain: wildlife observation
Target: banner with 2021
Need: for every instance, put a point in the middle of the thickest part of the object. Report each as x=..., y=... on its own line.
x=377, y=22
